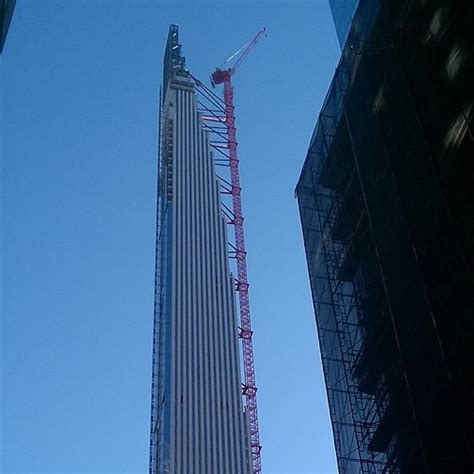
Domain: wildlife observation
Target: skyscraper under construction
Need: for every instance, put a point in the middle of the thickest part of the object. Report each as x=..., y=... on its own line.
x=386, y=203
x=198, y=423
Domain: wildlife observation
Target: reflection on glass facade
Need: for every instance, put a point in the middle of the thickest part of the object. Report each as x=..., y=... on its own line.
x=6, y=13
x=386, y=199
x=343, y=12
x=197, y=418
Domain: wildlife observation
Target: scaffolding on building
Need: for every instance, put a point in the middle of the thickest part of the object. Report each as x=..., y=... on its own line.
x=331, y=204
x=351, y=304
x=383, y=255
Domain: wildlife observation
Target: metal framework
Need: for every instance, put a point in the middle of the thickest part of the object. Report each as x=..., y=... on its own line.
x=219, y=121
x=355, y=413
x=379, y=240
x=346, y=278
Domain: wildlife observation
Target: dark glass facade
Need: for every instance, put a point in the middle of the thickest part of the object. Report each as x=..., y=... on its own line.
x=386, y=199
x=6, y=13
x=343, y=12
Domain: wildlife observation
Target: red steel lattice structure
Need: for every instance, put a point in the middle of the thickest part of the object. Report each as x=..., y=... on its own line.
x=249, y=388
x=222, y=117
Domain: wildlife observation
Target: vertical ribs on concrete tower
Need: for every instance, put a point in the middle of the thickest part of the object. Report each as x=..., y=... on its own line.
x=197, y=417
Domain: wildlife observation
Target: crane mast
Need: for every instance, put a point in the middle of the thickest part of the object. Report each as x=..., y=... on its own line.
x=249, y=388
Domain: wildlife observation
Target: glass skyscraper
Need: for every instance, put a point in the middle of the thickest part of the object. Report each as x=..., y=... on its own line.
x=197, y=420
x=343, y=12
x=386, y=203
x=6, y=13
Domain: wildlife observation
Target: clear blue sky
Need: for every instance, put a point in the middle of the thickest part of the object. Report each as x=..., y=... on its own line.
x=80, y=82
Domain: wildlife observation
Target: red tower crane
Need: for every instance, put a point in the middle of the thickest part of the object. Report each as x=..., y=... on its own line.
x=249, y=388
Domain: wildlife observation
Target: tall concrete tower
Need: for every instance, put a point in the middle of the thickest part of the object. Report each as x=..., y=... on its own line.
x=197, y=419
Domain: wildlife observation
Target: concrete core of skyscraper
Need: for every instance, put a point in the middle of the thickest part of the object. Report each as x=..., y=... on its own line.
x=198, y=424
